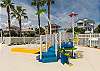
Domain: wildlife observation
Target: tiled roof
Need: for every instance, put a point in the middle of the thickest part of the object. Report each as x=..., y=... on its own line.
x=54, y=25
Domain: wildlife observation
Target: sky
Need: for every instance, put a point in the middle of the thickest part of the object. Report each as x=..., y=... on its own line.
x=59, y=12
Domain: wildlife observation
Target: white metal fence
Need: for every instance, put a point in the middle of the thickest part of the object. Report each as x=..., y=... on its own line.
x=25, y=40
x=19, y=40
x=84, y=39
x=91, y=40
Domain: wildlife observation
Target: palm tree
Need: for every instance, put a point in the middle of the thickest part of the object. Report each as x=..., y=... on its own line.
x=50, y=2
x=97, y=29
x=39, y=4
x=49, y=5
x=8, y=5
x=19, y=13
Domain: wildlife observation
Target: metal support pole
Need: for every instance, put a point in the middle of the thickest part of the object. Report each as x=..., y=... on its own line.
x=46, y=42
x=73, y=34
x=90, y=39
x=60, y=39
x=2, y=36
x=73, y=29
x=40, y=47
x=72, y=15
x=50, y=29
x=56, y=44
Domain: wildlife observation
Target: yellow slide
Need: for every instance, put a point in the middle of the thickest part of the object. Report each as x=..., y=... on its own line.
x=26, y=50
x=29, y=50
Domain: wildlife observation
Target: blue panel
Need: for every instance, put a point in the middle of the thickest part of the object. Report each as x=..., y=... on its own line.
x=50, y=59
x=64, y=59
x=67, y=45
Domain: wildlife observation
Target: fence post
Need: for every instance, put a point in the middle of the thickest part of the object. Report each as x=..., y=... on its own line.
x=24, y=40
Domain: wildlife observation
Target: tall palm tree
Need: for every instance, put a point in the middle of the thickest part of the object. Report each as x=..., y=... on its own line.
x=8, y=4
x=19, y=13
x=49, y=3
x=39, y=4
x=49, y=12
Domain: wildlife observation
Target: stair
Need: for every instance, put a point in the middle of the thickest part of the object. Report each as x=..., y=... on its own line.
x=48, y=56
x=49, y=59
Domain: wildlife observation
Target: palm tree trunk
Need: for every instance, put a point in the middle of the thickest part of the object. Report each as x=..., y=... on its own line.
x=49, y=4
x=38, y=8
x=9, y=22
x=20, y=26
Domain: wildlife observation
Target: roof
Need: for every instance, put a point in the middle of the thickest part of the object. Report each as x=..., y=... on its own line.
x=54, y=25
x=13, y=27
x=80, y=21
x=93, y=39
x=85, y=19
x=26, y=29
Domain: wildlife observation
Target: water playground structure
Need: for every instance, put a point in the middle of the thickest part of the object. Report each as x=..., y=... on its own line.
x=50, y=49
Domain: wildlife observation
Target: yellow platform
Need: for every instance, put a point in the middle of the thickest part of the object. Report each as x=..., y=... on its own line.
x=26, y=50
x=29, y=50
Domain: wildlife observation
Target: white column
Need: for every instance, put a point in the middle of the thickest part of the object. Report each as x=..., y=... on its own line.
x=56, y=44
x=50, y=29
x=73, y=29
x=60, y=39
x=46, y=42
x=77, y=39
x=40, y=47
x=73, y=32
x=2, y=35
x=90, y=39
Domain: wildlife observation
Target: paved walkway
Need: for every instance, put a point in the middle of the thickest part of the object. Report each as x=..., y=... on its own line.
x=25, y=62
x=89, y=62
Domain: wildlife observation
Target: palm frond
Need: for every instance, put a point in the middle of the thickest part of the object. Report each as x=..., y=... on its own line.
x=23, y=11
x=17, y=17
x=6, y=3
x=19, y=9
x=26, y=17
x=9, y=1
x=34, y=3
x=52, y=2
x=13, y=16
x=19, y=12
x=23, y=14
x=12, y=7
x=41, y=11
x=42, y=2
x=2, y=5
